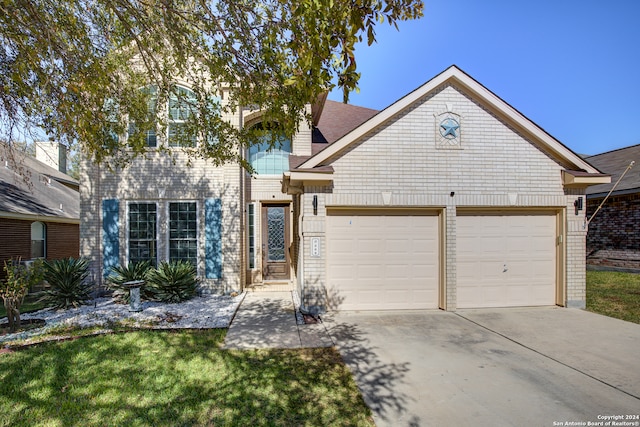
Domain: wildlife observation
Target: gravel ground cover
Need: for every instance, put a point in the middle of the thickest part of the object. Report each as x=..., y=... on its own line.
x=205, y=312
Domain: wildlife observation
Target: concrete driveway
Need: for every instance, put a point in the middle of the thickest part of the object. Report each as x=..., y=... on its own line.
x=498, y=367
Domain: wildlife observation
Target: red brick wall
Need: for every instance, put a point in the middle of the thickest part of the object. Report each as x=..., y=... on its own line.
x=614, y=233
x=63, y=240
x=15, y=240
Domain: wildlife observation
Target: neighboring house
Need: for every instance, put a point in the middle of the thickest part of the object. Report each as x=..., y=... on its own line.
x=613, y=239
x=39, y=210
x=449, y=198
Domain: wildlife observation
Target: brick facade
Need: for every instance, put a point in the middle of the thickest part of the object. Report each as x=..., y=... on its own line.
x=494, y=167
x=63, y=240
x=613, y=239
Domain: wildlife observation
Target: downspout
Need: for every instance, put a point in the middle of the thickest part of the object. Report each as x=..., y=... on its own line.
x=243, y=214
x=301, y=253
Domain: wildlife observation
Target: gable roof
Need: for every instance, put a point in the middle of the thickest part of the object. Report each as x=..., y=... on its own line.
x=30, y=189
x=615, y=163
x=338, y=119
x=455, y=76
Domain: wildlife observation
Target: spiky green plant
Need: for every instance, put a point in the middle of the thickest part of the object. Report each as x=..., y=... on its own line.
x=173, y=281
x=68, y=282
x=122, y=274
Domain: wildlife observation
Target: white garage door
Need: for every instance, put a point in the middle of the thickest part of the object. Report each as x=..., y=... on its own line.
x=382, y=260
x=506, y=260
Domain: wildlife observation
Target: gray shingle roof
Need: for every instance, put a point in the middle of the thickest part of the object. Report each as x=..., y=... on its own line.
x=29, y=187
x=614, y=163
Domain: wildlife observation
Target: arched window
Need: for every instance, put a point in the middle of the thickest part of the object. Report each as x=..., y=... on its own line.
x=270, y=161
x=38, y=240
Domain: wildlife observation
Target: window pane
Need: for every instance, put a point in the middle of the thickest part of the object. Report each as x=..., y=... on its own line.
x=142, y=232
x=183, y=231
x=270, y=161
x=252, y=247
x=181, y=107
x=38, y=240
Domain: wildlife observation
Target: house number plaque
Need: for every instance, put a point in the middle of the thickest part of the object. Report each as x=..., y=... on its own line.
x=315, y=247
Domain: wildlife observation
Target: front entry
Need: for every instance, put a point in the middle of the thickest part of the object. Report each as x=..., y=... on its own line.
x=275, y=242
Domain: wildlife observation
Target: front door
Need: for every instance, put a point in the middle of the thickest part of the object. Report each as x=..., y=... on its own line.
x=275, y=242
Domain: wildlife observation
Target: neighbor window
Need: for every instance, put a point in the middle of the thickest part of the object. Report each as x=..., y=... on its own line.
x=143, y=244
x=268, y=160
x=183, y=232
x=38, y=240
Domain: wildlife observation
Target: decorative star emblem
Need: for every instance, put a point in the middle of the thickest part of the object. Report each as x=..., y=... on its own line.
x=449, y=128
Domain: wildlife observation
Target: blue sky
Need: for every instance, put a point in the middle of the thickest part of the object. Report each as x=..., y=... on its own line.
x=572, y=67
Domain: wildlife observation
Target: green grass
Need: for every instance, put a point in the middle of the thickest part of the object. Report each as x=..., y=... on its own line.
x=614, y=294
x=150, y=378
x=31, y=303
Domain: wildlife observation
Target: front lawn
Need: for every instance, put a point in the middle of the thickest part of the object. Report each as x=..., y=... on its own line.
x=614, y=294
x=150, y=378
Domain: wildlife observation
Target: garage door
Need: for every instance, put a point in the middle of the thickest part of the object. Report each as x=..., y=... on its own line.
x=382, y=260
x=506, y=260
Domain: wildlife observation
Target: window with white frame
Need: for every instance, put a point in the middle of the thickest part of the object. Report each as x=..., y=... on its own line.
x=270, y=154
x=183, y=232
x=151, y=138
x=38, y=240
x=181, y=107
x=143, y=223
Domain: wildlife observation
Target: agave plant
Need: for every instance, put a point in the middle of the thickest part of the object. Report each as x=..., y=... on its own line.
x=123, y=274
x=173, y=281
x=68, y=282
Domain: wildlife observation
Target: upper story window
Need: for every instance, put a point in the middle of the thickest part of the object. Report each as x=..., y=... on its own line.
x=152, y=106
x=179, y=108
x=267, y=159
x=38, y=240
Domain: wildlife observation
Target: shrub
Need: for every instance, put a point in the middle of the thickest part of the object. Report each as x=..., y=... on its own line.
x=20, y=279
x=123, y=274
x=68, y=282
x=173, y=281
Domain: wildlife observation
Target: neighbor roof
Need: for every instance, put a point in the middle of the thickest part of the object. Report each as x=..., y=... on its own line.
x=29, y=189
x=615, y=163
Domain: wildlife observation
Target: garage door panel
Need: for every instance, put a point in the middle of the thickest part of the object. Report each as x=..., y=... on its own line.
x=510, y=265
x=393, y=262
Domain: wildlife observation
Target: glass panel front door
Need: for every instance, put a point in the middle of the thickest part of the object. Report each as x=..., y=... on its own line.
x=275, y=230
x=275, y=242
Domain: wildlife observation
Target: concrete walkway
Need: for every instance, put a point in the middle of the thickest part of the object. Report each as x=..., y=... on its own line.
x=268, y=320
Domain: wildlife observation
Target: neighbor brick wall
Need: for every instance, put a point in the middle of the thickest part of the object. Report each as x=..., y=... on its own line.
x=614, y=233
x=63, y=240
x=15, y=238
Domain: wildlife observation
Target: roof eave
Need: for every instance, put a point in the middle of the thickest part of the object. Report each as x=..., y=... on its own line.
x=580, y=179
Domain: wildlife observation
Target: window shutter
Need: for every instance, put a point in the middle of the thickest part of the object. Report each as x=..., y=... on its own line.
x=213, y=238
x=110, y=235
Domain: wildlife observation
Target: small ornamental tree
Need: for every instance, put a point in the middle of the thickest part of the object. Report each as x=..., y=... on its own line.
x=20, y=279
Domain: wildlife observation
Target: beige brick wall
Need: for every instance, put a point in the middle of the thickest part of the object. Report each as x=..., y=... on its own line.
x=494, y=167
x=161, y=179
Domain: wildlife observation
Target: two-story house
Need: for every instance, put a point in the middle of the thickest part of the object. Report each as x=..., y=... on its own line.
x=448, y=198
